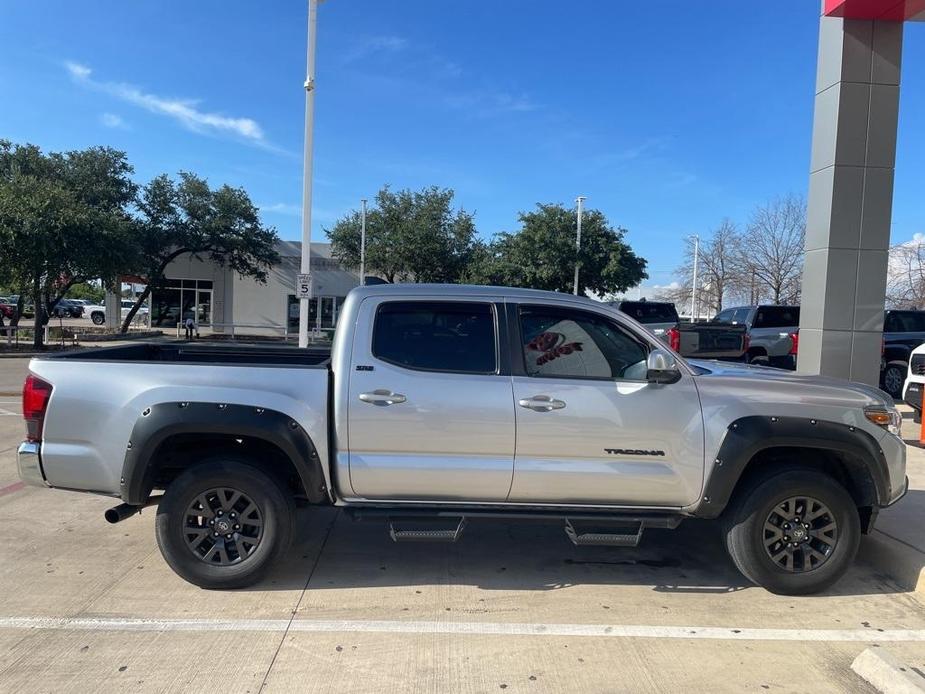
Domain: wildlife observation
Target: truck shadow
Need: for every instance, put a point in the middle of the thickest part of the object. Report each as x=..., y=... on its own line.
x=335, y=552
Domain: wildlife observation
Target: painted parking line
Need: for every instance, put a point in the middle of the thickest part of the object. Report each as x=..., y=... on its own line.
x=463, y=628
x=7, y=413
x=10, y=488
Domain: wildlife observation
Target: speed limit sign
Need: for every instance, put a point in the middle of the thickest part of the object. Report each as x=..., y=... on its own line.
x=303, y=286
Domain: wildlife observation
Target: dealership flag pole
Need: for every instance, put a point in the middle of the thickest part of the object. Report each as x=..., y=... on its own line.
x=580, y=199
x=305, y=294
x=363, y=243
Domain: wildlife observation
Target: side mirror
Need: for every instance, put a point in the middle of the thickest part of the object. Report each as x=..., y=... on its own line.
x=661, y=367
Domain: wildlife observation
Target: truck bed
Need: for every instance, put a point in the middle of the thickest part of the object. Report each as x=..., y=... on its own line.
x=712, y=340
x=206, y=353
x=99, y=395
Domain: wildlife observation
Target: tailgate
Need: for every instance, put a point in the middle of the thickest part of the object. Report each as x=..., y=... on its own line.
x=712, y=340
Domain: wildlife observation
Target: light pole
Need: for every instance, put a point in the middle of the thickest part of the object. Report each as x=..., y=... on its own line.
x=363, y=242
x=694, y=283
x=304, y=300
x=580, y=199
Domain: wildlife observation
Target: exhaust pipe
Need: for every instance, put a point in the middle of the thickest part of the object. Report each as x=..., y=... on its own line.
x=123, y=511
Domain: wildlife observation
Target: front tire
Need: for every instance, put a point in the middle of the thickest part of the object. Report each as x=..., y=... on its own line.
x=98, y=318
x=223, y=523
x=894, y=376
x=793, y=533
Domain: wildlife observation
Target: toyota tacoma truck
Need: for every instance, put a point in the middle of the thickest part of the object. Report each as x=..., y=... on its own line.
x=441, y=405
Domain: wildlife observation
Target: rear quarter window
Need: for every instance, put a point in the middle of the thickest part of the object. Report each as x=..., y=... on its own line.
x=646, y=312
x=456, y=337
x=777, y=317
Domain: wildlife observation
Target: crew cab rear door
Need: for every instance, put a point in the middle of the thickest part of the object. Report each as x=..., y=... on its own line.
x=590, y=428
x=430, y=406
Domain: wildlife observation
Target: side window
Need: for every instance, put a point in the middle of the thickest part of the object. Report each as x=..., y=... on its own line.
x=576, y=344
x=723, y=316
x=451, y=336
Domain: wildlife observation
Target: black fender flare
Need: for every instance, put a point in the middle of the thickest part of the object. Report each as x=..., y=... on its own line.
x=164, y=420
x=748, y=436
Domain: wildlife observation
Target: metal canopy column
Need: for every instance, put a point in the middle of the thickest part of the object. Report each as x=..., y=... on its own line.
x=850, y=195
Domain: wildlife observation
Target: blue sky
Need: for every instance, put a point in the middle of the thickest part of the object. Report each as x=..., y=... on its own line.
x=669, y=116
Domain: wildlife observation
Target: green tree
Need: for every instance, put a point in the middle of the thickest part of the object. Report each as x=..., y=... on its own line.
x=63, y=220
x=542, y=254
x=187, y=216
x=410, y=236
x=93, y=291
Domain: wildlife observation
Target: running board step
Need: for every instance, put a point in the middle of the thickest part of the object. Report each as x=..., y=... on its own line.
x=425, y=530
x=621, y=536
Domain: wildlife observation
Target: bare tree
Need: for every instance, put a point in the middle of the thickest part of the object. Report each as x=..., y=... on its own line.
x=906, y=274
x=770, y=260
x=718, y=270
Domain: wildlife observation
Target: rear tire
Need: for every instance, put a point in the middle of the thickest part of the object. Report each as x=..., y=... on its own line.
x=223, y=523
x=814, y=564
x=98, y=318
x=759, y=359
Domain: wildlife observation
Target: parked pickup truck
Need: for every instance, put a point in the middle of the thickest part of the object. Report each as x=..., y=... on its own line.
x=692, y=340
x=773, y=333
x=442, y=404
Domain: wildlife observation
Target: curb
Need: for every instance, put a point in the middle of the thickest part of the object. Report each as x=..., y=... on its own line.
x=903, y=563
x=883, y=671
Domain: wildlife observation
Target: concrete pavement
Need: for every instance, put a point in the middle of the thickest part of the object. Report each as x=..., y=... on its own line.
x=511, y=607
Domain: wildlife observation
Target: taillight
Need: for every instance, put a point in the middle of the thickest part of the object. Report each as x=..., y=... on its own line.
x=674, y=339
x=794, y=343
x=35, y=395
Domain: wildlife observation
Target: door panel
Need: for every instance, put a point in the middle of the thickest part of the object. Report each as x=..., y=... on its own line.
x=613, y=438
x=427, y=434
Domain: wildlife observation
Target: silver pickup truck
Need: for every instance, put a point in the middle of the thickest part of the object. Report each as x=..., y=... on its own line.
x=440, y=405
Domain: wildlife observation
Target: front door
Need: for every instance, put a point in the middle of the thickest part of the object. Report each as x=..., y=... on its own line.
x=590, y=428
x=430, y=411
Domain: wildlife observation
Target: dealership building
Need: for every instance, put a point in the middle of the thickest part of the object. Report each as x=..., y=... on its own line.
x=222, y=301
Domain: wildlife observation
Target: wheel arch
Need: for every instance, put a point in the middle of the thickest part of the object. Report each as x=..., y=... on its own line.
x=169, y=437
x=756, y=446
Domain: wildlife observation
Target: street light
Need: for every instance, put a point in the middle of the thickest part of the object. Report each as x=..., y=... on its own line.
x=309, y=85
x=694, y=283
x=580, y=199
x=363, y=242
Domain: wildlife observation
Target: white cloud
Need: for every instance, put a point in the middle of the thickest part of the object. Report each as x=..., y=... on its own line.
x=184, y=111
x=490, y=103
x=371, y=45
x=111, y=120
x=77, y=70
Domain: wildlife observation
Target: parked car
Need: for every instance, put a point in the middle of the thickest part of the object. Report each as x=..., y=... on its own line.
x=903, y=331
x=68, y=308
x=607, y=431
x=773, y=332
x=7, y=309
x=97, y=312
x=695, y=340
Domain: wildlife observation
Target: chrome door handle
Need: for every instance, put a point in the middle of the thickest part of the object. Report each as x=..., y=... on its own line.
x=541, y=403
x=382, y=397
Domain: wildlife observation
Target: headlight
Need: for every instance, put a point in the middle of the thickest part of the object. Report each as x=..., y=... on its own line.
x=887, y=417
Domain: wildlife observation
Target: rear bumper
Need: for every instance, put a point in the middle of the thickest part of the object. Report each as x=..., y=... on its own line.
x=29, y=461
